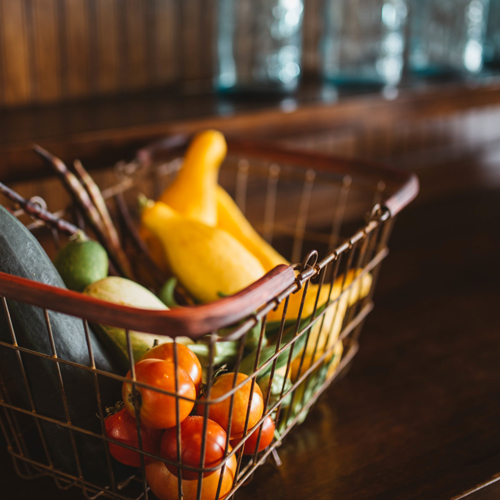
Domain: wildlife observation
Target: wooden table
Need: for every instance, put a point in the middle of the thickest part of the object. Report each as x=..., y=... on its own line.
x=417, y=416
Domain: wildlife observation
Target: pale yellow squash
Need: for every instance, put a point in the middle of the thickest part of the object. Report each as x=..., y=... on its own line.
x=208, y=261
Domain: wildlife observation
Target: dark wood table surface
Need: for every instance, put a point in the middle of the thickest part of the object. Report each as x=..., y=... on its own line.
x=418, y=414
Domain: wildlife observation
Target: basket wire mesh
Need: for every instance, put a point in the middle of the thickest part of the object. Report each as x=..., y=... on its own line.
x=304, y=354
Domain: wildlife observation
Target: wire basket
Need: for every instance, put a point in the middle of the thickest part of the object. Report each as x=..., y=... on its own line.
x=291, y=332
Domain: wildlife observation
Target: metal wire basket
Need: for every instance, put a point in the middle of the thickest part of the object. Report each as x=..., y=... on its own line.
x=331, y=217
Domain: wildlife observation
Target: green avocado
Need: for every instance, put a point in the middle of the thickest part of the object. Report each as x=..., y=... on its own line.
x=81, y=263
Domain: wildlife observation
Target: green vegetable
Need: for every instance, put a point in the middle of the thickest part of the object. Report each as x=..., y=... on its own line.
x=276, y=388
x=225, y=353
x=253, y=337
x=304, y=392
x=21, y=255
x=128, y=293
x=167, y=293
x=81, y=262
x=248, y=363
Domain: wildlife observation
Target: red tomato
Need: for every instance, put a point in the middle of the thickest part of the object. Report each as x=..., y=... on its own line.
x=186, y=359
x=191, y=440
x=266, y=437
x=122, y=427
x=166, y=487
x=220, y=411
x=158, y=411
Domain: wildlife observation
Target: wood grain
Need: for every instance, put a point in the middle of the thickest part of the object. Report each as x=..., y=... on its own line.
x=15, y=55
x=77, y=65
x=60, y=50
x=166, y=58
x=191, y=41
x=46, y=48
x=108, y=49
x=135, y=29
x=193, y=321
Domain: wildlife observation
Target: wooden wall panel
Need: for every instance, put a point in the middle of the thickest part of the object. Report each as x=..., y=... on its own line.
x=56, y=50
x=76, y=67
x=166, y=32
x=46, y=45
x=136, y=47
x=208, y=34
x=191, y=39
x=15, y=52
x=108, y=45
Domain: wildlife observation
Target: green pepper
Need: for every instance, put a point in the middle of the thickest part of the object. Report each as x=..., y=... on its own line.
x=276, y=389
x=248, y=363
x=303, y=393
x=167, y=293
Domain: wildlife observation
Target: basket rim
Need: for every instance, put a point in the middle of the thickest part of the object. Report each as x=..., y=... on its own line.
x=401, y=186
x=196, y=321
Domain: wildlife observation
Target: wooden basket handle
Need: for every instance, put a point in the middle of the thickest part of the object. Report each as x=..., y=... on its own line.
x=193, y=321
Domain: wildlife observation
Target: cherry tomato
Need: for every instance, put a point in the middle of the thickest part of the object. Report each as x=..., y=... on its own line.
x=122, y=427
x=191, y=441
x=157, y=410
x=220, y=411
x=186, y=359
x=266, y=437
x=165, y=485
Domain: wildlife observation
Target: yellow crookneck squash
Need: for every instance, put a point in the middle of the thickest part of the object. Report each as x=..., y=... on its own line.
x=193, y=192
x=230, y=218
x=207, y=260
x=325, y=331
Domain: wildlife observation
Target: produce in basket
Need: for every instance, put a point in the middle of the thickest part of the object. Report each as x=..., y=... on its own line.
x=231, y=219
x=193, y=192
x=247, y=399
x=201, y=270
x=208, y=261
x=226, y=264
x=21, y=255
x=157, y=410
x=199, y=171
x=81, y=262
x=165, y=485
x=326, y=331
x=127, y=293
x=122, y=427
x=192, y=437
x=264, y=437
x=185, y=358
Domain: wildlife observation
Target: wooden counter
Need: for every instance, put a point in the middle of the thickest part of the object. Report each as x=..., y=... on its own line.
x=417, y=416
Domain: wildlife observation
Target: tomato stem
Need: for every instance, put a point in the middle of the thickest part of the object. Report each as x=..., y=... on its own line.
x=111, y=410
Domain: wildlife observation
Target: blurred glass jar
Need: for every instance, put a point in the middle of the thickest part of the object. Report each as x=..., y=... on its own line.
x=492, y=43
x=447, y=36
x=363, y=41
x=259, y=45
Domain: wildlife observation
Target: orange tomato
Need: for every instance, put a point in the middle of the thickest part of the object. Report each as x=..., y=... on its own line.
x=157, y=410
x=220, y=411
x=166, y=487
x=186, y=359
